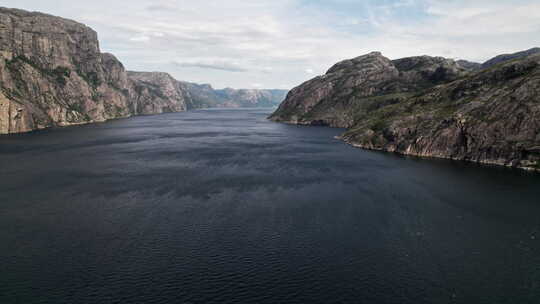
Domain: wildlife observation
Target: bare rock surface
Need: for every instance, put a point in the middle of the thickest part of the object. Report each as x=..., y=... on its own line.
x=428, y=106
x=52, y=73
x=360, y=84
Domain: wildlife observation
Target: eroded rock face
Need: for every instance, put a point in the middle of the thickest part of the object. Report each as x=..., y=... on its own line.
x=430, y=107
x=157, y=92
x=52, y=73
x=357, y=85
x=491, y=116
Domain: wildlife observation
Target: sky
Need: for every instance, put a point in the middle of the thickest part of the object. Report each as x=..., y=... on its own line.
x=282, y=43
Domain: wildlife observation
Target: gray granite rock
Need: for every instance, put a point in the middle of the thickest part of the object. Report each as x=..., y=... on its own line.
x=52, y=73
x=425, y=106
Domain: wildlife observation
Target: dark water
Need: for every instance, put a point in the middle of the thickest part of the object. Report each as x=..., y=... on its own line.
x=222, y=206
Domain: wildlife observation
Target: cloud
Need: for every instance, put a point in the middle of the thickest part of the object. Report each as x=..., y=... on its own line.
x=223, y=65
x=235, y=43
x=140, y=38
x=474, y=30
x=160, y=8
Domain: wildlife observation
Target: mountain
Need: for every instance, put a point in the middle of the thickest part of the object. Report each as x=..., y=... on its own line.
x=508, y=57
x=251, y=98
x=469, y=65
x=474, y=66
x=204, y=96
x=363, y=84
x=52, y=73
x=428, y=106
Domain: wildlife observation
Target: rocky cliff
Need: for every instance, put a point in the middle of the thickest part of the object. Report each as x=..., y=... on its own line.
x=362, y=84
x=52, y=73
x=428, y=106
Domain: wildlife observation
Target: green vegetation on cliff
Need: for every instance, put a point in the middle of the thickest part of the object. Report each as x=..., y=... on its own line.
x=429, y=106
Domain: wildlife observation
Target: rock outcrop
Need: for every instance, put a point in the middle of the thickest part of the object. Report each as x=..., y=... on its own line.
x=430, y=107
x=362, y=84
x=158, y=90
x=52, y=73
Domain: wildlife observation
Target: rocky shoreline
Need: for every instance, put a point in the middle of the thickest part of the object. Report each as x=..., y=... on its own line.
x=429, y=107
x=500, y=163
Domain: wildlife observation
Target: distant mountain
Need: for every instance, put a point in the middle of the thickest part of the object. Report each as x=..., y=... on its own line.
x=469, y=65
x=429, y=106
x=474, y=66
x=204, y=96
x=507, y=57
x=52, y=73
x=251, y=97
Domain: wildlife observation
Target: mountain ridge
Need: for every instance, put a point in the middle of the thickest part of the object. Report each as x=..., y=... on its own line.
x=53, y=73
x=205, y=96
x=428, y=106
x=511, y=56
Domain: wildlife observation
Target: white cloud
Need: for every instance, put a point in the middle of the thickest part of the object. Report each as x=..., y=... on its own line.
x=140, y=38
x=213, y=64
x=234, y=43
x=157, y=34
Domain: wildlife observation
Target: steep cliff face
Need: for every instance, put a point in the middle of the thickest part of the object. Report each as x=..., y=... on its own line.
x=433, y=108
x=491, y=116
x=157, y=92
x=52, y=73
